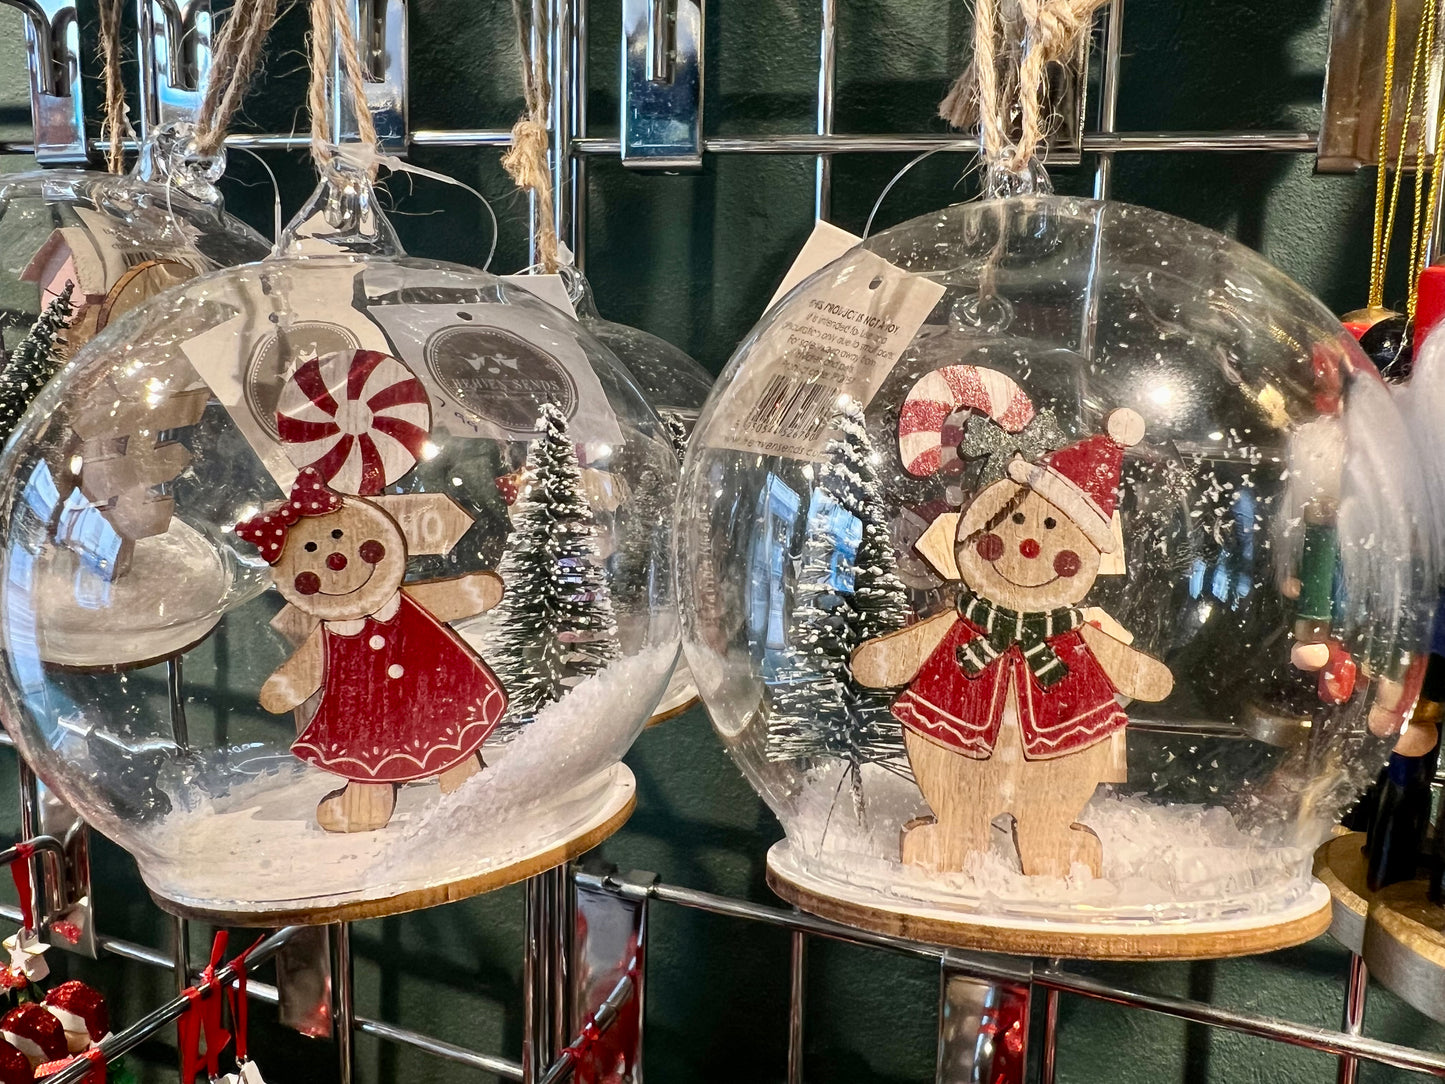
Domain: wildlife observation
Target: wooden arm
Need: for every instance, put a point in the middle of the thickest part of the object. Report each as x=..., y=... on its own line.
x=894, y=659
x=452, y=600
x=296, y=678
x=1135, y=674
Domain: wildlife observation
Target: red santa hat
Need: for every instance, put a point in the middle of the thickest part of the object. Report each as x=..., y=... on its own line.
x=81, y=1011
x=14, y=1066
x=34, y=1032
x=1082, y=480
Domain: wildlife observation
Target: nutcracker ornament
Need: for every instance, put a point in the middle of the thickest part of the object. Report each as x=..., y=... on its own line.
x=1011, y=705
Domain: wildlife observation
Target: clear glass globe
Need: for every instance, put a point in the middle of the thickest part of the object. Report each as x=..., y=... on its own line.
x=1093, y=596
x=329, y=581
x=118, y=239
x=675, y=386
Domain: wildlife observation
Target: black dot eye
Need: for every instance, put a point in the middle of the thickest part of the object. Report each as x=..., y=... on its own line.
x=336, y=533
x=311, y=547
x=1050, y=523
x=1018, y=517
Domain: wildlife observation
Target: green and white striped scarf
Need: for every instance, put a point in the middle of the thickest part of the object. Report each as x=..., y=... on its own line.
x=1003, y=628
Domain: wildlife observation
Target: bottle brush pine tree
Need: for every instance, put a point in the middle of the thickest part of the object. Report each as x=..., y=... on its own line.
x=30, y=367
x=816, y=709
x=555, y=625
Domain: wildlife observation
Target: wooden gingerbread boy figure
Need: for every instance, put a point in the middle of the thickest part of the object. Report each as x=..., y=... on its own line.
x=1012, y=695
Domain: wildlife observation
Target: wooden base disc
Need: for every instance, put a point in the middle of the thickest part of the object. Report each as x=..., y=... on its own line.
x=1405, y=946
x=611, y=814
x=1340, y=866
x=1102, y=940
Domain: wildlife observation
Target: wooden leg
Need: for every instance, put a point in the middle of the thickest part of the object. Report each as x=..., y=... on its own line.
x=1054, y=793
x=956, y=788
x=357, y=807
x=454, y=777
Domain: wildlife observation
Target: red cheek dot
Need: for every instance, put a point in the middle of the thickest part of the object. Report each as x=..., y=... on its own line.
x=308, y=583
x=372, y=551
x=1067, y=563
x=990, y=547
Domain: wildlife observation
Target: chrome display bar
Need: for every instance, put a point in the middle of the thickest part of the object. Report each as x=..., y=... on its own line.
x=1223, y=142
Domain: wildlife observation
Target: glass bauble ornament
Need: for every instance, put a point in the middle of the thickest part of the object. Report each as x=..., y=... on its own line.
x=119, y=238
x=1084, y=603
x=675, y=386
x=329, y=590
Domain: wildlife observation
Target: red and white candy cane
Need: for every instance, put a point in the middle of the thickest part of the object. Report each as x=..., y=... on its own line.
x=360, y=417
x=921, y=438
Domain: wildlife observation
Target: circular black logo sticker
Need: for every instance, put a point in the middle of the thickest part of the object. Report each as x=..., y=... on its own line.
x=277, y=358
x=499, y=377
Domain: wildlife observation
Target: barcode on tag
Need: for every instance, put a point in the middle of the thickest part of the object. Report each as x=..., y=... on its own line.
x=793, y=408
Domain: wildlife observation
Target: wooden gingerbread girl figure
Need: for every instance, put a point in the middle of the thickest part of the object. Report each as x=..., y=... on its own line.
x=1012, y=695
x=402, y=696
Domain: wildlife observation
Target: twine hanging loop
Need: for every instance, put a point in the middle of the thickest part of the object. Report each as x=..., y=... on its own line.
x=526, y=161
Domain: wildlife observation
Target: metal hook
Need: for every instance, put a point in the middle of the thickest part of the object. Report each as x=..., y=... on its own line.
x=662, y=54
x=381, y=43
x=52, y=41
x=175, y=60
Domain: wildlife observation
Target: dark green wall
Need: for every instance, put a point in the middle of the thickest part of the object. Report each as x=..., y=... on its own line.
x=694, y=258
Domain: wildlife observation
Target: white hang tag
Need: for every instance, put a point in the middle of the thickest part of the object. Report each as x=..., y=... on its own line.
x=549, y=288
x=489, y=367
x=841, y=335
x=824, y=245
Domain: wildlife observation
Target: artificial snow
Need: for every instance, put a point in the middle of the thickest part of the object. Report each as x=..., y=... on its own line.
x=259, y=844
x=1161, y=862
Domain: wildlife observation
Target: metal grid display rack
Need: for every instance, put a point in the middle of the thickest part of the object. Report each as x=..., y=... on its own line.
x=558, y=1016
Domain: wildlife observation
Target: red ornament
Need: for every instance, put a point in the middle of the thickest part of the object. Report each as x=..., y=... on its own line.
x=1429, y=303
x=1337, y=677
x=81, y=1011
x=14, y=1066
x=34, y=1032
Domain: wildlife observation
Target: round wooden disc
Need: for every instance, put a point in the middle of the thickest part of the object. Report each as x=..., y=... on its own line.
x=612, y=814
x=1405, y=946
x=866, y=910
x=1340, y=866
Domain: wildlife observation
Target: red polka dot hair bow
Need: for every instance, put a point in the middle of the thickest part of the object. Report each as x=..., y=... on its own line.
x=310, y=496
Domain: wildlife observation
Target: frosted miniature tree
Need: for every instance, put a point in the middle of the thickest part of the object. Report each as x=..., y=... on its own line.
x=555, y=625
x=33, y=362
x=817, y=710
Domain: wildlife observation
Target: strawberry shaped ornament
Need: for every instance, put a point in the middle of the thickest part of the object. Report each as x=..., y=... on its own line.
x=1012, y=697
x=37, y=1034
x=81, y=1011
x=401, y=697
x=15, y=1067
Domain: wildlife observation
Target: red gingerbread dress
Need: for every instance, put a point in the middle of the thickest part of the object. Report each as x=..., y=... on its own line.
x=402, y=697
x=946, y=704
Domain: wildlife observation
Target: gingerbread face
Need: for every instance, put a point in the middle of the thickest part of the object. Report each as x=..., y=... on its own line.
x=343, y=565
x=1016, y=549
